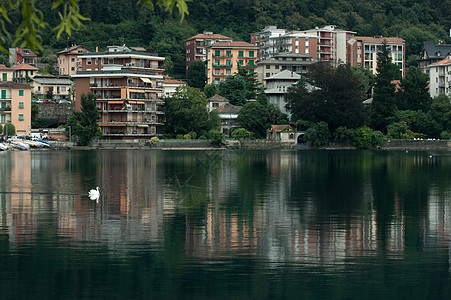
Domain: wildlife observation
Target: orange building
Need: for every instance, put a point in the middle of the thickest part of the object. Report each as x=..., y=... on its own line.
x=223, y=59
x=15, y=104
x=68, y=63
x=128, y=86
x=196, y=46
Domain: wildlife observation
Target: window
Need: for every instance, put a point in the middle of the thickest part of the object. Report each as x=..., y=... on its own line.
x=72, y=59
x=228, y=72
x=88, y=61
x=277, y=67
x=20, y=104
x=72, y=68
x=215, y=104
x=251, y=53
x=4, y=77
x=217, y=52
x=216, y=71
x=267, y=74
x=20, y=93
x=3, y=94
x=228, y=63
x=63, y=89
x=251, y=63
x=229, y=53
x=20, y=117
x=216, y=62
x=240, y=54
x=267, y=67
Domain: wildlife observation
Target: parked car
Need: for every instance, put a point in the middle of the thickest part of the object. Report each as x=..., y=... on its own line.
x=64, y=101
x=48, y=101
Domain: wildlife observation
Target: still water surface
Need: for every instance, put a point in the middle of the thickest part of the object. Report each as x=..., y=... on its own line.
x=225, y=225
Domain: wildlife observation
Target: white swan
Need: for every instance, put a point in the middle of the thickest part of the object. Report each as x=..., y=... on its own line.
x=94, y=194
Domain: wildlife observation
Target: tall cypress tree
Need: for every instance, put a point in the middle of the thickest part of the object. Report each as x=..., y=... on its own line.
x=384, y=101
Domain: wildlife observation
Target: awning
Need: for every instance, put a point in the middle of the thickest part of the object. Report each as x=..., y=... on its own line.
x=143, y=125
x=146, y=80
x=137, y=91
x=140, y=102
x=116, y=102
x=131, y=101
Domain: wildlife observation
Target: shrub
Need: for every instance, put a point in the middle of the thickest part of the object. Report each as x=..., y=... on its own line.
x=365, y=138
x=240, y=134
x=187, y=136
x=179, y=137
x=446, y=135
x=216, y=137
x=318, y=135
x=154, y=141
x=193, y=135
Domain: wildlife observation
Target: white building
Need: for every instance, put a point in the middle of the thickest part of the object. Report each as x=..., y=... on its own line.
x=277, y=85
x=440, y=77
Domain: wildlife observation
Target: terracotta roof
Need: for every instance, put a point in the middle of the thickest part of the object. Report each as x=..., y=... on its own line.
x=218, y=98
x=24, y=67
x=26, y=52
x=73, y=48
x=3, y=67
x=281, y=128
x=379, y=39
x=214, y=36
x=233, y=44
x=171, y=80
x=10, y=84
x=442, y=62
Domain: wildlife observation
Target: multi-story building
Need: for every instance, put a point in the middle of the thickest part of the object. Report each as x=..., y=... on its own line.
x=223, y=59
x=297, y=63
x=362, y=51
x=170, y=85
x=440, y=77
x=59, y=86
x=128, y=86
x=22, y=56
x=278, y=85
x=67, y=60
x=6, y=73
x=15, y=106
x=323, y=44
x=23, y=73
x=432, y=53
x=196, y=46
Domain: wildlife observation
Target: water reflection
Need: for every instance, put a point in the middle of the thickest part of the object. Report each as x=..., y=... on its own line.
x=212, y=209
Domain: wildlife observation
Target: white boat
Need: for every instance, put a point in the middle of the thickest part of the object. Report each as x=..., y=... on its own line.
x=3, y=147
x=19, y=145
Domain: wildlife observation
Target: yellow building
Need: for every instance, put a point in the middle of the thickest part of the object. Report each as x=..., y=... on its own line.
x=223, y=59
x=15, y=106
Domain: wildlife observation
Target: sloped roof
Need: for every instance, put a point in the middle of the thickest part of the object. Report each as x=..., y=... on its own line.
x=218, y=98
x=445, y=61
x=379, y=39
x=52, y=80
x=285, y=75
x=281, y=128
x=10, y=84
x=3, y=67
x=73, y=48
x=433, y=51
x=170, y=80
x=213, y=36
x=26, y=52
x=229, y=109
x=24, y=67
x=239, y=44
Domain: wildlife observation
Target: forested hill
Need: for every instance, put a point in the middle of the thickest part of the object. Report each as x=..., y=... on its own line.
x=124, y=22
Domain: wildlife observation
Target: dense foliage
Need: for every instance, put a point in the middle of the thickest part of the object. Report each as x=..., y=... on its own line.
x=82, y=126
x=128, y=22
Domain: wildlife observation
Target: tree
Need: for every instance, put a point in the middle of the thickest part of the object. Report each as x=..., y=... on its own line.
x=336, y=99
x=318, y=135
x=384, y=103
x=186, y=111
x=32, y=25
x=413, y=93
x=210, y=90
x=240, y=134
x=9, y=129
x=196, y=74
x=83, y=125
x=239, y=87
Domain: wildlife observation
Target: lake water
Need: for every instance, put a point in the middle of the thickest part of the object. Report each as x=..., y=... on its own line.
x=225, y=225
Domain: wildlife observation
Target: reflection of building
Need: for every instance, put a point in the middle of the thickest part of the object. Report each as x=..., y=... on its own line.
x=128, y=86
x=15, y=106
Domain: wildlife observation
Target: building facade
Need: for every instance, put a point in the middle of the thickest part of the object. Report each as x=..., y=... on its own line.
x=196, y=46
x=15, y=106
x=440, y=77
x=59, y=86
x=128, y=86
x=362, y=51
x=6, y=74
x=170, y=85
x=22, y=56
x=24, y=73
x=278, y=85
x=298, y=63
x=223, y=59
x=67, y=60
x=432, y=53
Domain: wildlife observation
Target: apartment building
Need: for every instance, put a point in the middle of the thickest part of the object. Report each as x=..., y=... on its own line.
x=128, y=86
x=6, y=73
x=67, y=60
x=59, y=86
x=223, y=59
x=278, y=85
x=15, y=106
x=323, y=44
x=440, y=77
x=23, y=73
x=362, y=51
x=170, y=85
x=196, y=46
x=22, y=56
x=298, y=63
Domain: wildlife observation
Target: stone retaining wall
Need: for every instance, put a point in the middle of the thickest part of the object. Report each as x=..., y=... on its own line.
x=55, y=111
x=416, y=145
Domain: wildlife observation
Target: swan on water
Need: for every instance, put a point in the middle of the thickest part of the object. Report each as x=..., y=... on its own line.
x=94, y=194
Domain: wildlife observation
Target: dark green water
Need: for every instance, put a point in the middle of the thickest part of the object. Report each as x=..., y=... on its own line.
x=225, y=225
